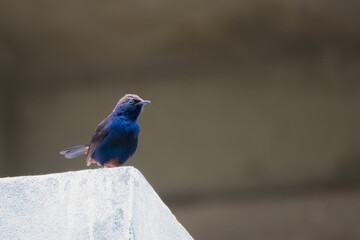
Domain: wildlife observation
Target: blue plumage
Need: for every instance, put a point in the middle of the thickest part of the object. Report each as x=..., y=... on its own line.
x=116, y=138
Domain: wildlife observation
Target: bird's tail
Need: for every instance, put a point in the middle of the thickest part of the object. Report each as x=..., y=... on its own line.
x=75, y=151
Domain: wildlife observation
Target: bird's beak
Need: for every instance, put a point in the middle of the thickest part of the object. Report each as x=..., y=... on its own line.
x=143, y=102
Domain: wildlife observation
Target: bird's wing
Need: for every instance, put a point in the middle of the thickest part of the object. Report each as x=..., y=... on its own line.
x=101, y=132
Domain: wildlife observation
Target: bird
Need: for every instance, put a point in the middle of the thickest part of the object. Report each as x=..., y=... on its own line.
x=115, y=139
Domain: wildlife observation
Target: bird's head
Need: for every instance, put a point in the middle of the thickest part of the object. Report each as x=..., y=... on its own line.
x=130, y=106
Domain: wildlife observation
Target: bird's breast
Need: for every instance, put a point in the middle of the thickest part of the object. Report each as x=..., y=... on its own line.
x=126, y=128
x=124, y=133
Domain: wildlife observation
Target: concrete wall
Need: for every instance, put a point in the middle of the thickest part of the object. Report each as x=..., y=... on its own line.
x=245, y=95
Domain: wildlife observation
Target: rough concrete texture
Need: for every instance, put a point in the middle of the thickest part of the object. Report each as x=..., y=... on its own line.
x=112, y=203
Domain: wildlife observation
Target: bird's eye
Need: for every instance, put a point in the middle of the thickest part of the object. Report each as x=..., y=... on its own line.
x=131, y=101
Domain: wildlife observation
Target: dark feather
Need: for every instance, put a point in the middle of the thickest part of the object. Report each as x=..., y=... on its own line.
x=101, y=132
x=75, y=151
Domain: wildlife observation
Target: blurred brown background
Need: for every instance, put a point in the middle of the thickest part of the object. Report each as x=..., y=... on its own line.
x=253, y=131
